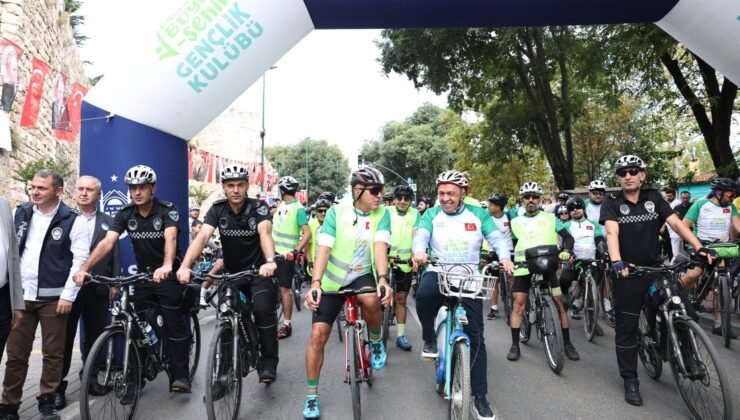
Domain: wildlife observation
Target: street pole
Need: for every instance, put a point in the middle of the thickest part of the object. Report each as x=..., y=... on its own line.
x=306, y=172
x=262, y=133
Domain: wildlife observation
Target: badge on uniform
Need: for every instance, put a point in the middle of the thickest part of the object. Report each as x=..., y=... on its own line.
x=132, y=225
x=223, y=223
x=624, y=209
x=263, y=210
x=650, y=206
x=157, y=223
x=104, y=226
x=252, y=223
x=173, y=215
x=56, y=233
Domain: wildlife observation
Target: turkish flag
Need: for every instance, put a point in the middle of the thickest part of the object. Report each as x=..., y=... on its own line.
x=725, y=210
x=74, y=113
x=470, y=227
x=589, y=227
x=30, y=116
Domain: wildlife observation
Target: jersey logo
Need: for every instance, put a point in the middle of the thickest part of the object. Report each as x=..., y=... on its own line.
x=223, y=223
x=173, y=215
x=470, y=227
x=132, y=225
x=262, y=211
x=252, y=222
x=725, y=210
x=157, y=223
x=650, y=206
x=589, y=227
x=104, y=226
x=624, y=209
x=56, y=233
x=367, y=225
x=507, y=224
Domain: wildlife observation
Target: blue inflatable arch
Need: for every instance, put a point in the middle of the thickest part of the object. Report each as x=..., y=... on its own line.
x=195, y=57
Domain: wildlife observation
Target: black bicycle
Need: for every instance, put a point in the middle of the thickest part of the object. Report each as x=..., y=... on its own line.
x=676, y=339
x=128, y=353
x=504, y=282
x=389, y=312
x=234, y=351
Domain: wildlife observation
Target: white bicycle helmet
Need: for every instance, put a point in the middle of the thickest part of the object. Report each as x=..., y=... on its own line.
x=629, y=161
x=288, y=184
x=234, y=172
x=597, y=185
x=453, y=177
x=530, y=188
x=140, y=175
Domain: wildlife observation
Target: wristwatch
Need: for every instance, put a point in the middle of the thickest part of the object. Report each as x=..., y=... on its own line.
x=270, y=259
x=383, y=276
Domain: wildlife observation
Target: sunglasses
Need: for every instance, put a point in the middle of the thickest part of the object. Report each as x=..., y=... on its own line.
x=597, y=193
x=530, y=197
x=403, y=198
x=378, y=189
x=623, y=172
x=322, y=211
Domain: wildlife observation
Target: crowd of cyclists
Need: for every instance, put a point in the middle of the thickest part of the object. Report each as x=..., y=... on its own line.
x=53, y=250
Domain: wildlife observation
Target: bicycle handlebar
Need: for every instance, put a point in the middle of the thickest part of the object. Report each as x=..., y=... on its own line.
x=350, y=292
x=641, y=270
x=117, y=280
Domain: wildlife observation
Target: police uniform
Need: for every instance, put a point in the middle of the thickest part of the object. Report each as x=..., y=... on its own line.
x=240, y=244
x=639, y=228
x=147, y=238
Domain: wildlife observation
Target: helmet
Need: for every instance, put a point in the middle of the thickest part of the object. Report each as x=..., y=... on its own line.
x=723, y=184
x=575, y=202
x=139, y=175
x=288, y=184
x=453, y=177
x=597, y=185
x=629, y=161
x=530, y=188
x=388, y=196
x=562, y=210
x=500, y=199
x=322, y=203
x=425, y=200
x=327, y=195
x=194, y=207
x=403, y=191
x=367, y=176
x=562, y=196
x=234, y=172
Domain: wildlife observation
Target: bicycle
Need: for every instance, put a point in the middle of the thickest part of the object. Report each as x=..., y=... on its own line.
x=234, y=351
x=457, y=282
x=503, y=283
x=605, y=289
x=357, y=367
x=589, y=293
x=299, y=279
x=114, y=368
x=676, y=339
x=389, y=312
x=541, y=311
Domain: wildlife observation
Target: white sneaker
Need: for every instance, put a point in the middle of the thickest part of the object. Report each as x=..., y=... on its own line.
x=203, y=295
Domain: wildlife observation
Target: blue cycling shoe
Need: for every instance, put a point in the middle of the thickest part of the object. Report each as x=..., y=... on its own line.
x=311, y=408
x=403, y=343
x=377, y=355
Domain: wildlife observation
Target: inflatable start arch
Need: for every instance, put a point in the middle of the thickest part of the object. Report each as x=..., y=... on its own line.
x=195, y=57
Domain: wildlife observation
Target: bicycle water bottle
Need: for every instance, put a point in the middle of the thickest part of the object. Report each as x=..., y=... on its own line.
x=150, y=337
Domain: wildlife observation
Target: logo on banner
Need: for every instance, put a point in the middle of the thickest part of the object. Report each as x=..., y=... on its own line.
x=56, y=233
x=624, y=209
x=157, y=223
x=112, y=201
x=470, y=227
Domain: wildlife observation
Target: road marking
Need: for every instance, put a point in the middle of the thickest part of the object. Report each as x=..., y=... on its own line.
x=413, y=314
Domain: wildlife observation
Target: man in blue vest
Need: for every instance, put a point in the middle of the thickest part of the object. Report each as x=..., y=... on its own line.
x=53, y=245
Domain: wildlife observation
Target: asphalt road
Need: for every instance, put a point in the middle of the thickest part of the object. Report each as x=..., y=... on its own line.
x=587, y=389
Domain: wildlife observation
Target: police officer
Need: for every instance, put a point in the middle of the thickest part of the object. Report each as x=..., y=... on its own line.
x=153, y=227
x=632, y=218
x=245, y=226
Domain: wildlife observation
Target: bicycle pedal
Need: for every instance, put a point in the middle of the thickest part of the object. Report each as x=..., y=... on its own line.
x=427, y=358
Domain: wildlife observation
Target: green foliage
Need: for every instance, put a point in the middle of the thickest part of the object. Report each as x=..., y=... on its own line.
x=25, y=174
x=322, y=160
x=198, y=194
x=94, y=80
x=75, y=21
x=416, y=148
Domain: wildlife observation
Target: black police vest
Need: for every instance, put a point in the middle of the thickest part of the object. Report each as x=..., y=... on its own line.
x=55, y=260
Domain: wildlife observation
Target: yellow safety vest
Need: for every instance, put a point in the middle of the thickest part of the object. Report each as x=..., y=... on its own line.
x=285, y=230
x=402, y=234
x=531, y=232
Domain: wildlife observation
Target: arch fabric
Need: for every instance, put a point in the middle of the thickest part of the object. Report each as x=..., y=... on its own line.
x=188, y=60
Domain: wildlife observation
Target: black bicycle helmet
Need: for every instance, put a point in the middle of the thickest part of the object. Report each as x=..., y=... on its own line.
x=322, y=203
x=575, y=202
x=367, y=176
x=499, y=199
x=562, y=196
x=403, y=191
x=327, y=195
x=723, y=184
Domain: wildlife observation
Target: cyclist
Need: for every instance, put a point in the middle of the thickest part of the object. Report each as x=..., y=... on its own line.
x=244, y=225
x=535, y=228
x=562, y=201
x=388, y=199
x=153, y=227
x=711, y=219
x=563, y=214
x=587, y=236
x=454, y=231
x=290, y=234
x=404, y=218
x=321, y=207
x=596, y=191
x=632, y=218
x=423, y=204
x=329, y=196
x=353, y=253
x=496, y=204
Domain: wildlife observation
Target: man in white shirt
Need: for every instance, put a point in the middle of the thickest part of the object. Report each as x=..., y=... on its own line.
x=53, y=245
x=11, y=293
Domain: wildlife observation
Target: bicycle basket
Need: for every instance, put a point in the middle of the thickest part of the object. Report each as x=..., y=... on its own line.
x=465, y=285
x=542, y=259
x=726, y=250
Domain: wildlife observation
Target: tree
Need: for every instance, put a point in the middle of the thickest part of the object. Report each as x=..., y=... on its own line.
x=327, y=167
x=26, y=173
x=75, y=21
x=416, y=148
x=198, y=194
x=672, y=74
x=529, y=83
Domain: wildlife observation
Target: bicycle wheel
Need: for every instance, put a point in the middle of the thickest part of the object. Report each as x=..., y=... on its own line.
x=459, y=402
x=223, y=379
x=590, y=307
x=552, y=335
x=647, y=348
x=353, y=363
x=279, y=307
x=194, y=354
x=296, y=290
x=388, y=314
x=526, y=329
x=606, y=285
x=105, y=392
x=705, y=389
x=725, y=302
x=503, y=292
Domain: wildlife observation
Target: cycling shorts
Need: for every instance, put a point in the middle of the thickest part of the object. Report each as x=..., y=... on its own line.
x=329, y=306
x=523, y=283
x=403, y=281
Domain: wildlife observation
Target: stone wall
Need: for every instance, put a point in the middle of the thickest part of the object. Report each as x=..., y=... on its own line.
x=41, y=28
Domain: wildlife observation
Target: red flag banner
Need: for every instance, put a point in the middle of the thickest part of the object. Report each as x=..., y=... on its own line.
x=10, y=54
x=30, y=117
x=74, y=113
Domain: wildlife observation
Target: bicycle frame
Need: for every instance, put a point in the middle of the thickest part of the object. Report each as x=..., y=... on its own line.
x=353, y=316
x=455, y=320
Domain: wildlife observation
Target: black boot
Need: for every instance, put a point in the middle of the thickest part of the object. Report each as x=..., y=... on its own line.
x=46, y=407
x=61, y=399
x=8, y=412
x=632, y=392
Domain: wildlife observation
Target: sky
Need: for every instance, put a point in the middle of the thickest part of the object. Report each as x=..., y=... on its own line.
x=329, y=86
